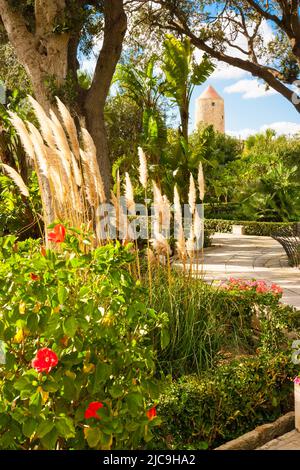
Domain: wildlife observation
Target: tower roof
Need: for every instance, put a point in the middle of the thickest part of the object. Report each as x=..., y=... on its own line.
x=210, y=94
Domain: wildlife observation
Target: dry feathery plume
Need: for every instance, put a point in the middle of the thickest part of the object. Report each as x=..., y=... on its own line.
x=180, y=245
x=89, y=180
x=160, y=244
x=76, y=171
x=198, y=228
x=57, y=184
x=143, y=168
x=129, y=197
x=122, y=225
x=91, y=153
x=59, y=135
x=192, y=194
x=165, y=210
x=44, y=122
x=190, y=243
x=70, y=127
x=151, y=257
x=23, y=134
x=16, y=178
x=40, y=149
x=201, y=182
x=177, y=207
x=157, y=196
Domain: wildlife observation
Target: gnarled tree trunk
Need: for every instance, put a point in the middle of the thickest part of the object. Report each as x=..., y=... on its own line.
x=49, y=56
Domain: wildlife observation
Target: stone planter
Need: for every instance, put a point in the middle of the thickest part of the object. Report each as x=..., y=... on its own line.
x=297, y=406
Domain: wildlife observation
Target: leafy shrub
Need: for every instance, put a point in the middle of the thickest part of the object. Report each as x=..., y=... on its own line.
x=222, y=405
x=16, y=214
x=264, y=229
x=206, y=321
x=80, y=364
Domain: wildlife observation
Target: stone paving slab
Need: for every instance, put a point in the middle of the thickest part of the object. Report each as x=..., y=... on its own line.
x=248, y=257
x=289, y=441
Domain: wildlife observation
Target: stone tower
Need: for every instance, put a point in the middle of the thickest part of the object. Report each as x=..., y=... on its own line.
x=210, y=110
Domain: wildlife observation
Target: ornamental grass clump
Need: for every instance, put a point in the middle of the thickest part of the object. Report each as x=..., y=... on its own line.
x=79, y=370
x=65, y=162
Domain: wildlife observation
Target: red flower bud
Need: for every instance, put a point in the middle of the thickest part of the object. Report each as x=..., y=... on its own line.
x=151, y=413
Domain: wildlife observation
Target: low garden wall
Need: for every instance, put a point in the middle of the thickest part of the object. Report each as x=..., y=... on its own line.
x=266, y=229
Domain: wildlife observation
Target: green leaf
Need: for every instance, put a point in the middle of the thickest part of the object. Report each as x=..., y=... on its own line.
x=62, y=294
x=23, y=383
x=70, y=391
x=29, y=427
x=70, y=326
x=92, y=436
x=32, y=322
x=102, y=374
x=44, y=428
x=165, y=338
x=116, y=391
x=50, y=439
x=134, y=401
x=35, y=403
x=65, y=427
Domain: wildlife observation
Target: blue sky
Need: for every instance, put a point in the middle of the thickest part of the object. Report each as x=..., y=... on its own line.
x=248, y=107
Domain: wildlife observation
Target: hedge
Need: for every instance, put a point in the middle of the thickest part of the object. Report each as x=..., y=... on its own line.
x=266, y=229
x=224, y=404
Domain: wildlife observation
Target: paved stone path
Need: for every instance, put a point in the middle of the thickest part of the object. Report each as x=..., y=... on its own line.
x=263, y=258
x=249, y=257
x=289, y=441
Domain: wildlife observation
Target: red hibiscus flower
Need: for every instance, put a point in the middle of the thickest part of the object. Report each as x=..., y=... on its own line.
x=91, y=411
x=44, y=360
x=34, y=277
x=58, y=234
x=43, y=251
x=151, y=413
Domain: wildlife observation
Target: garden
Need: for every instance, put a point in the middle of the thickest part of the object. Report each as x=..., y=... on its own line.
x=111, y=338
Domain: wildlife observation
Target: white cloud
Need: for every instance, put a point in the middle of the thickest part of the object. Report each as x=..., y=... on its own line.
x=281, y=128
x=228, y=72
x=250, y=89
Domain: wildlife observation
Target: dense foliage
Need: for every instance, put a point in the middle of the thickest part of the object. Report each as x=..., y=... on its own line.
x=208, y=323
x=204, y=412
x=76, y=333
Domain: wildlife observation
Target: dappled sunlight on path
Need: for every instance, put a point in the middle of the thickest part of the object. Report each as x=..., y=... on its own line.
x=250, y=257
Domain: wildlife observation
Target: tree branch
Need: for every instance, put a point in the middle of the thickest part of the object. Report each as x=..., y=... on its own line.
x=114, y=32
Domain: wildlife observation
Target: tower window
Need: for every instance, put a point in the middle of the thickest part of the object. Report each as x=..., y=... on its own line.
x=213, y=103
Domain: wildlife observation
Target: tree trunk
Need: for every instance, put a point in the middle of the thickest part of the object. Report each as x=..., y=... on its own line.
x=46, y=54
x=114, y=32
x=184, y=117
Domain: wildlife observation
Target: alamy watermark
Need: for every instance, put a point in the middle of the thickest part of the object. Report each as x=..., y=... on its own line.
x=144, y=222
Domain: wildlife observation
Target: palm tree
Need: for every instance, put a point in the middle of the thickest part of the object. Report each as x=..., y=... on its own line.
x=182, y=74
x=143, y=87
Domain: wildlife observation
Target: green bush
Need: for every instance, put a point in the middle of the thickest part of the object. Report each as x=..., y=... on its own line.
x=219, y=406
x=85, y=308
x=17, y=215
x=265, y=229
x=206, y=321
